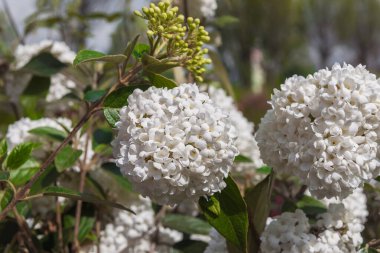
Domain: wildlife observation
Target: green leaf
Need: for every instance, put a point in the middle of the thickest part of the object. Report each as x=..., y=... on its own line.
x=102, y=136
x=90, y=55
x=3, y=149
x=140, y=49
x=242, y=159
x=154, y=65
x=4, y=175
x=130, y=46
x=85, y=197
x=186, y=224
x=94, y=95
x=112, y=116
x=367, y=250
x=190, y=246
x=232, y=221
x=258, y=202
x=19, y=155
x=66, y=158
x=85, y=226
x=115, y=173
x=311, y=206
x=48, y=177
x=49, y=132
x=264, y=170
x=44, y=64
x=119, y=97
x=161, y=81
x=6, y=199
x=23, y=174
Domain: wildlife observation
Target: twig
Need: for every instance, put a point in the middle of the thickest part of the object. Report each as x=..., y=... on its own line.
x=25, y=232
x=58, y=218
x=78, y=211
x=374, y=243
x=185, y=9
x=22, y=193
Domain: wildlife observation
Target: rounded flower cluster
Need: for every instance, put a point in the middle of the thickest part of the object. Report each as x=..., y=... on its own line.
x=174, y=144
x=136, y=233
x=208, y=8
x=245, y=142
x=60, y=84
x=324, y=128
x=336, y=231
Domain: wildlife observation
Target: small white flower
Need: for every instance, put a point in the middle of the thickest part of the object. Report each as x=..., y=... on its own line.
x=174, y=144
x=324, y=128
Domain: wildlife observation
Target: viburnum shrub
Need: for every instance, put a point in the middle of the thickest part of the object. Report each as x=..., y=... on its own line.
x=109, y=153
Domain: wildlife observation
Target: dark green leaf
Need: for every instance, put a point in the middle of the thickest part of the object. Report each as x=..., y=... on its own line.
x=22, y=175
x=130, y=46
x=66, y=158
x=140, y=49
x=48, y=177
x=102, y=136
x=37, y=86
x=161, y=81
x=71, y=194
x=115, y=173
x=94, y=95
x=95, y=187
x=190, y=246
x=119, y=97
x=264, y=170
x=49, y=132
x=232, y=221
x=311, y=206
x=242, y=159
x=186, y=224
x=367, y=250
x=19, y=155
x=22, y=208
x=4, y=175
x=112, y=116
x=90, y=55
x=44, y=64
x=258, y=202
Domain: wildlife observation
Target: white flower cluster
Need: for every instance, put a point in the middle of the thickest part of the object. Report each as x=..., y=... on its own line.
x=336, y=231
x=60, y=85
x=208, y=8
x=217, y=243
x=174, y=144
x=245, y=142
x=325, y=129
x=18, y=133
x=136, y=233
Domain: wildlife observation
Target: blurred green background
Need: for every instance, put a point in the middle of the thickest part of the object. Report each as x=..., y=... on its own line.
x=261, y=42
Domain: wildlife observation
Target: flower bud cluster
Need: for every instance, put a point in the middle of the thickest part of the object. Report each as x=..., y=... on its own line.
x=184, y=38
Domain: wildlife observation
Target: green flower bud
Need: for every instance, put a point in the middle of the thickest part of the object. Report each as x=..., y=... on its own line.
x=137, y=13
x=197, y=21
x=181, y=18
x=175, y=9
x=145, y=10
x=190, y=20
x=150, y=33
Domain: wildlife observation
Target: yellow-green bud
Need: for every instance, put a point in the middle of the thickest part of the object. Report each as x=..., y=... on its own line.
x=193, y=26
x=174, y=28
x=164, y=15
x=181, y=18
x=150, y=33
x=161, y=5
x=152, y=5
x=137, y=13
x=197, y=21
x=175, y=9
x=190, y=20
x=205, y=38
x=160, y=28
x=145, y=10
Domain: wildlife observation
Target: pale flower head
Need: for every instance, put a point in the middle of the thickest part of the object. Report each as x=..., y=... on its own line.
x=324, y=128
x=174, y=144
